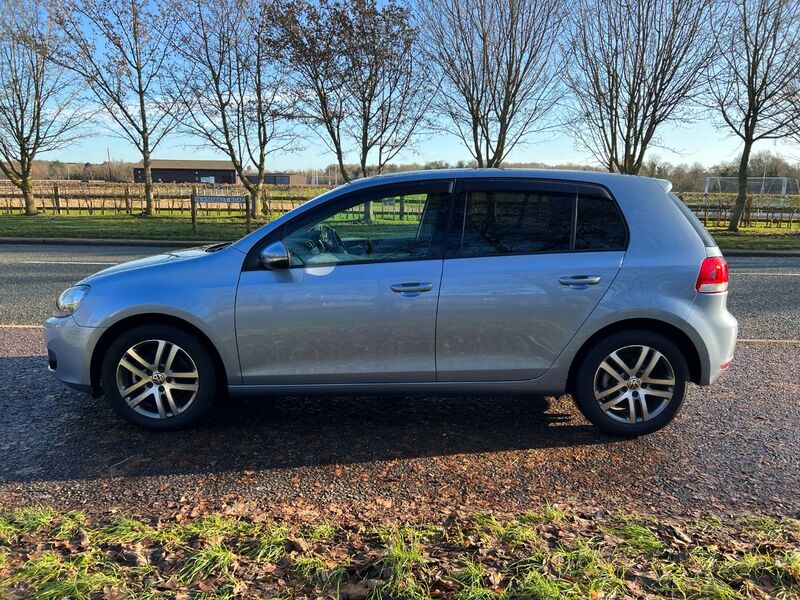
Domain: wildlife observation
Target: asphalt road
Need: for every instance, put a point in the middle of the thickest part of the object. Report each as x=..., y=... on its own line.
x=734, y=448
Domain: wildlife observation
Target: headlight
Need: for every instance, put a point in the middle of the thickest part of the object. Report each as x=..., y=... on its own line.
x=70, y=299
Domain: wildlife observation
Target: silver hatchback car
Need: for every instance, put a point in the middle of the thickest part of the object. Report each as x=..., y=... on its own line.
x=480, y=281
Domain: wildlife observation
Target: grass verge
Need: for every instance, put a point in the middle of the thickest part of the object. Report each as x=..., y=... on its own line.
x=132, y=227
x=543, y=554
x=758, y=238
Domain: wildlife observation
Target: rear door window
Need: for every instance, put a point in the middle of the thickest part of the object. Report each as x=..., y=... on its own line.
x=526, y=221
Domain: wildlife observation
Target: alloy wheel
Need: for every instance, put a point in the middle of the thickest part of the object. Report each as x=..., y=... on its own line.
x=157, y=379
x=634, y=384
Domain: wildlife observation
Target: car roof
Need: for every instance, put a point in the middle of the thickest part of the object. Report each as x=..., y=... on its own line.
x=598, y=177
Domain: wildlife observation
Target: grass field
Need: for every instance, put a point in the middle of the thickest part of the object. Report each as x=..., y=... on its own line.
x=548, y=553
x=758, y=238
x=177, y=227
x=222, y=228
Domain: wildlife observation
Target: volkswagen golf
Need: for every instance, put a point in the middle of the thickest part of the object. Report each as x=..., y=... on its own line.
x=483, y=281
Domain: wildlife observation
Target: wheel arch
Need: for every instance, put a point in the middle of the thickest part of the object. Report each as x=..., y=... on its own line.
x=152, y=319
x=674, y=333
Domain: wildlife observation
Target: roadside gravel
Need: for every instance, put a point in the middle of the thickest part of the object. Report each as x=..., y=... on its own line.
x=735, y=449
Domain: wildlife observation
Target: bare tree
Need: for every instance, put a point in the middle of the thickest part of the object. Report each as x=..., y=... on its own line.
x=37, y=98
x=122, y=50
x=388, y=86
x=753, y=85
x=230, y=92
x=497, y=60
x=633, y=65
x=311, y=34
x=358, y=76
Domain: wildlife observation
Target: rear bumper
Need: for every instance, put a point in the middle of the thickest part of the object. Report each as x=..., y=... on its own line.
x=718, y=329
x=69, y=351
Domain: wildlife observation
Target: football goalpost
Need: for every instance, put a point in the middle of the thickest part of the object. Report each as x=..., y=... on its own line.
x=756, y=186
x=768, y=200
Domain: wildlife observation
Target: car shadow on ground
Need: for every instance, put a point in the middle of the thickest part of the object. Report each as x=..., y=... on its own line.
x=49, y=432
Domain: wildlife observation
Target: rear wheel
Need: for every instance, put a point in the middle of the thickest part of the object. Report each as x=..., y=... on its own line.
x=632, y=383
x=159, y=377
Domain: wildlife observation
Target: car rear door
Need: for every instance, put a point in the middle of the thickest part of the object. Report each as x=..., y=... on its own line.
x=531, y=261
x=358, y=310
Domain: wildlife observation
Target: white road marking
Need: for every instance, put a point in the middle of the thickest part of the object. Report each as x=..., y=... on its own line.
x=766, y=341
x=20, y=326
x=769, y=274
x=61, y=262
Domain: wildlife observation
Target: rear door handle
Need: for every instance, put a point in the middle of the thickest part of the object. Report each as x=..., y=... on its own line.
x=412, y=288
x=579, y=281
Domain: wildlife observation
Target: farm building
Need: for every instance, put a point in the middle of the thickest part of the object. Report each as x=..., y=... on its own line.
x=205, y=171
x=282, y=178
x=188, y=171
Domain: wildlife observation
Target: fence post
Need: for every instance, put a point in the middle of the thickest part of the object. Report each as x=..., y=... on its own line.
x=56, y=199
x=193, y=207
x=128, y=199
x=368, y=211
x=705, y=207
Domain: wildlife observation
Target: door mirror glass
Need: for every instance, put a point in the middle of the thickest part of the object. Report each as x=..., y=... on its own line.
x=274, y=256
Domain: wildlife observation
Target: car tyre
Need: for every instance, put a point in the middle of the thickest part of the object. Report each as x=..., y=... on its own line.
x=159, y=377
x=613, y=382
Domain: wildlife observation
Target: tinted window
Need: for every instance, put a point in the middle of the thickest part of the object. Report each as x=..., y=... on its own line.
x=599, y=225
x=381, y=229
x=516, y=222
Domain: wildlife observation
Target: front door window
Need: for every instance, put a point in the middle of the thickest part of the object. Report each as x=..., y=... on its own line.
x=387, y=228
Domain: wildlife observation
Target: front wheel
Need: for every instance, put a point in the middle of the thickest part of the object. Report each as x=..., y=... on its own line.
x=159, y=377
x=631, y=383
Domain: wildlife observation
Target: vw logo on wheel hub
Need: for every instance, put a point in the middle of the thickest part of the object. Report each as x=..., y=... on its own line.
x=158, y=378
x=634, y=383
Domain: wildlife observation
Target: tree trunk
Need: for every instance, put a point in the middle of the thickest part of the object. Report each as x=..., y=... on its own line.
x=247, y=212
x=255, y=198
x=340, y=160
x=741, y=196
x=27, y=195
x=148, y=184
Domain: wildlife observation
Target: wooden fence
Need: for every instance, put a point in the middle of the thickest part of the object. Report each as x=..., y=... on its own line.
x=114, y=199
x=102, y=198
x=714, y=210
x=197, y=200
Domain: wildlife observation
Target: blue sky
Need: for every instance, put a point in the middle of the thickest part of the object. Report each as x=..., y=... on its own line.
x=700, y=142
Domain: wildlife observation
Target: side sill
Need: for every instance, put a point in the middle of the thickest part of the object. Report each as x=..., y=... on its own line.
x=401, y=389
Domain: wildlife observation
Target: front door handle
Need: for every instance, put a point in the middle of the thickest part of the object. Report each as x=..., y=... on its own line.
x=579, y=281
x=412, y=288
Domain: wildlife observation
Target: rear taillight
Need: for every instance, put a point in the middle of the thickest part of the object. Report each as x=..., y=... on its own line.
x=713, y=276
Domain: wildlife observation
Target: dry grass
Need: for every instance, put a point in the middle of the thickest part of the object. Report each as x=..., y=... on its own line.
x=548, y=553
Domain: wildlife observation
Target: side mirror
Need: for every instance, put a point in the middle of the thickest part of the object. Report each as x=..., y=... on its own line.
x=275, y=256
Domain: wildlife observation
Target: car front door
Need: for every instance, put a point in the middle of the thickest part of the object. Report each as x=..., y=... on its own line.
x=358, y=303
x=532, y=261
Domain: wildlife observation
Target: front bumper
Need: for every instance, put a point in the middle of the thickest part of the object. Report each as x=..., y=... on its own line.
x=69, y=351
